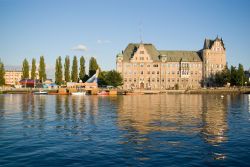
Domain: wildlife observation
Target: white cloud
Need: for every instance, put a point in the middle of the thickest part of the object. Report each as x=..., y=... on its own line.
x=79, y=47
x=99, y=41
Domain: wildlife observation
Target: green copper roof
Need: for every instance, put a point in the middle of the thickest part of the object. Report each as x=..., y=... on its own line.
x=171, y=56
x=176, y=56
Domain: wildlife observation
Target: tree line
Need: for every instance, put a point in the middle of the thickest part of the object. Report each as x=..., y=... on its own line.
x=112, y=77
x=234, y=76
x=76, y=74
x=65, y=73
x=41, y=69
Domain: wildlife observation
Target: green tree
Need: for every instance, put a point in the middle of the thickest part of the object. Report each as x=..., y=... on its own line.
x=113, y=78
x=67, y=69
x=33, y=69
x=241, y=75
x=102, y=78
x=2, y=73
x=82, y=72
x=221, y=78
x=74, y=72
x=93, y=66
x=58, y=71
x=227, y=75
x=25, y=69
x=234, y=76
x=42, y=71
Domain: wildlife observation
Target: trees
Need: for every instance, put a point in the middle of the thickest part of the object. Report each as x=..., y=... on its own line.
x=33, y=69
x=223, y=77
x=113, y=78
x=82, y=72
x=74, y=72
x=67, y=69
x=25, y=69
x=93, y=66
x=241, y=75
x=102, y=78
x=2, y=73
x=236, y=76
x=58, y=71
x=42, y=71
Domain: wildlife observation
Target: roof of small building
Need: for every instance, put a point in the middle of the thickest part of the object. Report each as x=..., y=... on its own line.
x=171, y=56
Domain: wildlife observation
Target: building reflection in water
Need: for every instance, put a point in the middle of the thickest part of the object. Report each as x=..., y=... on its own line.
x=189, y=114
x=214, y=119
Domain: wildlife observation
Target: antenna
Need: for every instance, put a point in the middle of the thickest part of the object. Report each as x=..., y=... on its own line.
x=140, y=29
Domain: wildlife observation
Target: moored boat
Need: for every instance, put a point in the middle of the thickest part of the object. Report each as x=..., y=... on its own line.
x=78, y=93
x=103, y=93
x=41, y=93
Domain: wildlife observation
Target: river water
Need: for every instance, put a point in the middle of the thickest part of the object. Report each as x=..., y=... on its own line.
x=140, y=130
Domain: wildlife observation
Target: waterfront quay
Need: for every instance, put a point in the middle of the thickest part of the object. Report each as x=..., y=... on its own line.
x=240, y=90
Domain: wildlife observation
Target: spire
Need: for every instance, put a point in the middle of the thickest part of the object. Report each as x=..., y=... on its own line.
x=217, y=38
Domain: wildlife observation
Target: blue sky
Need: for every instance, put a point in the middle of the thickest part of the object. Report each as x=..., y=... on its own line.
x=31, y=28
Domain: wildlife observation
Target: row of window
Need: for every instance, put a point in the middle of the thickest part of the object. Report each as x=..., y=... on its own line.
x=164, y=65
x=163, y=80
x=184, y=72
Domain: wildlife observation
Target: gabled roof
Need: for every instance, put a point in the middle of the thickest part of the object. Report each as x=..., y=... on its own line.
x=132, y=48
x=208, y=43
x=177, y=56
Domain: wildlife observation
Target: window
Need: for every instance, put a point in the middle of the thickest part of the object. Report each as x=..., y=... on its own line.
x=141, y=64
x=141, y=72
x=141, y=52
x=155, y=65
x=158, y=72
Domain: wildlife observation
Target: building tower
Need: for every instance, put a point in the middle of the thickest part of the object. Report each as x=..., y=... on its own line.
x=214, y=59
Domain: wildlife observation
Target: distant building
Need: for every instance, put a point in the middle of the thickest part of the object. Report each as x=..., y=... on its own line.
x=12, y=77
x=144, y=67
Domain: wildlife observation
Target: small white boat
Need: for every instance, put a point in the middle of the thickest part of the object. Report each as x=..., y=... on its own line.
x=78, y=93
x=41, y=93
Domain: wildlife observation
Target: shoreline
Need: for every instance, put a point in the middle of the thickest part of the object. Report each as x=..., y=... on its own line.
x=140, y=91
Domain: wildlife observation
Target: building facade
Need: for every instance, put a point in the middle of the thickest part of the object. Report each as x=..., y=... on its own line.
x=144, y=67
x=12, y=77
